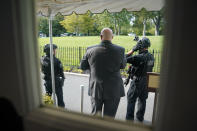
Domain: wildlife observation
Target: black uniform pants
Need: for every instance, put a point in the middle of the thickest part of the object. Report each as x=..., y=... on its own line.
x=136, y=90
x=110, y=106
x=58, y=91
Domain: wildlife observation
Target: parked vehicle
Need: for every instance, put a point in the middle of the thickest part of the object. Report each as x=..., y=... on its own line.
x=131, y=34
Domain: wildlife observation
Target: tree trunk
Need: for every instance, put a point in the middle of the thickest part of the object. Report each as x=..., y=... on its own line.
x=115, y=30
x=119, y=30
x=144, y=29
x=157, y=21
x=77, y=33
x=77, y=30
x=118, y=27
x=157, y=30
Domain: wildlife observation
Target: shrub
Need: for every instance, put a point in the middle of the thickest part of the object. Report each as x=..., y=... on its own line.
x=67, y=68
x=124, y=74
x=77, y=71
x=47, y=100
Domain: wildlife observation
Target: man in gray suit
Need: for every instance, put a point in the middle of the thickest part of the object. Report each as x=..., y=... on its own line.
x=105, y=84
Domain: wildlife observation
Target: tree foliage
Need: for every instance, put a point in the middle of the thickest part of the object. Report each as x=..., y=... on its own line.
x=121, y=20
x=103, y=20
x=87, y=23
x=158, y=19
x=144, y=22
x=140, y=22
x=57, y=29
x=71, y=23
x=117, y=21
x=43, y=25
x=78, y=23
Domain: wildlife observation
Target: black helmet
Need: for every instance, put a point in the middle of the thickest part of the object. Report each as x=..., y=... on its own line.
x=47, y=48
x=145, y=42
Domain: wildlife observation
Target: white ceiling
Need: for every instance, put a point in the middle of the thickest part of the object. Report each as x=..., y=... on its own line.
x=66, y=7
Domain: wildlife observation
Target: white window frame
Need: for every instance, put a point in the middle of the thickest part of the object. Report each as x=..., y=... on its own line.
x=37, y=116
x=21, y=84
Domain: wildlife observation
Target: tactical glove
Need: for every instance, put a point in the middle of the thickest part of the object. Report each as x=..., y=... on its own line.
x=137, y=46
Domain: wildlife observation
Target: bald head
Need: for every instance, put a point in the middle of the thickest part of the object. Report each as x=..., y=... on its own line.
x=106, y=34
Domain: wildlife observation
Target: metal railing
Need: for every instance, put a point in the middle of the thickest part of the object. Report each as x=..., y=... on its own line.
x=71, y=57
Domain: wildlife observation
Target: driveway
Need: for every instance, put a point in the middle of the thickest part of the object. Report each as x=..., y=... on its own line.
x=72, y=97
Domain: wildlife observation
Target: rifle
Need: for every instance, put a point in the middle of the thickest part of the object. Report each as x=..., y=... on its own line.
x=129, y=76
x=131, y=71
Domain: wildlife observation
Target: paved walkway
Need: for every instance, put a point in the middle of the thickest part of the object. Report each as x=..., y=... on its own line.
x=72, y=97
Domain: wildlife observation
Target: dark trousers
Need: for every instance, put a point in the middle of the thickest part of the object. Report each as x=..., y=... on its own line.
x=58, y=91
x=110, y=106
x=140, y=110
x=137, y=90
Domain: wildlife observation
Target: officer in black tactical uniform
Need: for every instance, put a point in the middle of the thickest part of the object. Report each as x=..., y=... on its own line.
x=141, y=64
x=58, y=74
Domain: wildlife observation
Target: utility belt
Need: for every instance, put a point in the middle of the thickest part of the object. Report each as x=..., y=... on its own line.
x=47, y=78
x=137, y=78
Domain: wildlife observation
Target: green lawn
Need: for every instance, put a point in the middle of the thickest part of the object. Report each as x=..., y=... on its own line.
x=70, y=54
x=125, y=41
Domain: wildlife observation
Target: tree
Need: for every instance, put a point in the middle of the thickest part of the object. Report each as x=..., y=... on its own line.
x=57, y=29
x=137, y=26
x=115, y=21
x=79, y=23
x=143, y=16
x=157, y=17
x=87, y=23
x=72, y=23
x=147, y=18
x=103, y=20
x=141, y=22
x=43, y=25
x=120, y=19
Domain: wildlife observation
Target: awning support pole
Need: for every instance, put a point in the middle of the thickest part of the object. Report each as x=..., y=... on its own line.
x=51, y=58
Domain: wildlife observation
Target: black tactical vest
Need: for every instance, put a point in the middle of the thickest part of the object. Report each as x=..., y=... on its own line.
x=146, y=65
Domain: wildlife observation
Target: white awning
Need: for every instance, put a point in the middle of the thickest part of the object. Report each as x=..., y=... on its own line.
x=67, y=7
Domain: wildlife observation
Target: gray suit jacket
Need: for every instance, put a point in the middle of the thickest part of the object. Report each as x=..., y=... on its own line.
x=104, y=62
